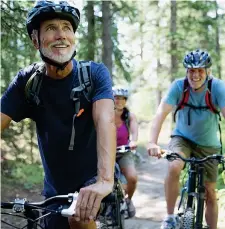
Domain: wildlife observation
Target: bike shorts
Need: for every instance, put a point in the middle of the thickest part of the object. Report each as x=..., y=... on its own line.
x=126, y=160
x=179, y=144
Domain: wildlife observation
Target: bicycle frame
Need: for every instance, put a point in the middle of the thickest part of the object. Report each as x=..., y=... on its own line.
x=195, y=188
x=116, y=219
x=196, y=180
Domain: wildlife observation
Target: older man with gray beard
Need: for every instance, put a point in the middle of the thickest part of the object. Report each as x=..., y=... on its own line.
x=87, y=166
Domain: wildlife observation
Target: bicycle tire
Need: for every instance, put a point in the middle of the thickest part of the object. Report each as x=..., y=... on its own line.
x=188, y=219
x=119, y=218
x=100, y=225
x=122, y=221
x=110, y=221
x=118, y=215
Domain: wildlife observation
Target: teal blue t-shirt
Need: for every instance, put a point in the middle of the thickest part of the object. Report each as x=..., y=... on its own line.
x=203, y=128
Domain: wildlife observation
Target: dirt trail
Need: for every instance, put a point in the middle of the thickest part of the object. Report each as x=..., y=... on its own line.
x=149, y=196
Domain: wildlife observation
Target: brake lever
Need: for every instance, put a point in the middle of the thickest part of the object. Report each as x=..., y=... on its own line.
x=167, y=154
x=170, y=157
x=71, y=210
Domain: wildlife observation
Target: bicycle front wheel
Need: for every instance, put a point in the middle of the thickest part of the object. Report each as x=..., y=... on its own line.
x=188, y=219
x=121, y=222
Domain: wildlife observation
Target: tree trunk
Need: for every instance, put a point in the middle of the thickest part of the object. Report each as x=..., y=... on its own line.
x=106, y=35
x=159, y=65
x=173, y=44
x=91, y=30
x=218, y=60
x=159, y=88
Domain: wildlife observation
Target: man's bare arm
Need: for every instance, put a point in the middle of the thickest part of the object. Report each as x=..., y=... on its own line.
x=5, y=121
x=90, y=197
x=163, y=110
x=104, y=119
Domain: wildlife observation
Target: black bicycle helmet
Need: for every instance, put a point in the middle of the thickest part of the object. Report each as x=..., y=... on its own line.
x=46, y=10
x=197, y=59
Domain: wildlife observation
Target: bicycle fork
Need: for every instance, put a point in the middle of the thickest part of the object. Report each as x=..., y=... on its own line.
x=191, y=187
x=200, y=198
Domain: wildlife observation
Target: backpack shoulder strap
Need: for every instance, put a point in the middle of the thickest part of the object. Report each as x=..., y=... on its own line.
x=85, y=87
x=84, y=75
x=85, y=84
x=185, y=97
x=208, y=97
x=33, y=84
x=185, y=94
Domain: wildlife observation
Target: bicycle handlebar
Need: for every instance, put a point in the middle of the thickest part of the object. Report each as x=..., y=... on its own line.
x=171, y=156
x=20, y=205
x=123, y=149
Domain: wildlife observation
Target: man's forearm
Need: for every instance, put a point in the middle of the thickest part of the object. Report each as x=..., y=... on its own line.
x=106, y=147
x=5, y=121
x=155, y=129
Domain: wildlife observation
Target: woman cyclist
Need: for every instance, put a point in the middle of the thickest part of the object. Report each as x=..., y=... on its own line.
x=127, y=134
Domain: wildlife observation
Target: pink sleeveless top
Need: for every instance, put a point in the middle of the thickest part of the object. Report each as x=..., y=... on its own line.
x=122, y=135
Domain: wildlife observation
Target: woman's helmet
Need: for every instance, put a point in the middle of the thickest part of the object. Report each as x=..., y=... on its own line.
x=197, y=59
x=121, y=92
x=47, y=10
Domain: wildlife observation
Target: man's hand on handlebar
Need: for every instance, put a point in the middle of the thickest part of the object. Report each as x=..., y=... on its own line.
x=154, y=150
x=89, y=200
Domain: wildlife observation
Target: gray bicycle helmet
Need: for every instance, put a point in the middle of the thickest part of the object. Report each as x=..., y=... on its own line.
x=197, y=59
x=121, y=92
x=46, y=10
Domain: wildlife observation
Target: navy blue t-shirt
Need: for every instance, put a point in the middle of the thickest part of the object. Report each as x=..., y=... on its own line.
x=65, y=170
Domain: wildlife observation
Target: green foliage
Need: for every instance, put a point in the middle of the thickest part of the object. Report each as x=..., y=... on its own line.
x=221, y=180
x=19, y=142
x=121, y=10
x=20, y=172
x=28, y=174
x=197, y=28
x=17, y=50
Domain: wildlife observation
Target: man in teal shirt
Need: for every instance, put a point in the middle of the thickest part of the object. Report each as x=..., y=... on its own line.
x=196, y=129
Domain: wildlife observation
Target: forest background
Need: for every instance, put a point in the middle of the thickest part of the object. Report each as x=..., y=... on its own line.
x=141, y=42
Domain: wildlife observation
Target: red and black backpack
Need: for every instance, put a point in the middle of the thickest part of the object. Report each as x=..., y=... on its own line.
x=185, y=97
x=208, y=100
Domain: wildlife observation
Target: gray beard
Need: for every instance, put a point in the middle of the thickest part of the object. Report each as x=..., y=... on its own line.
x=58, y=58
